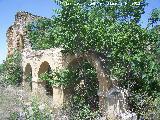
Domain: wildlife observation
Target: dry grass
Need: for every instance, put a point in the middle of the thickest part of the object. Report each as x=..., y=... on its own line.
x=11, y=100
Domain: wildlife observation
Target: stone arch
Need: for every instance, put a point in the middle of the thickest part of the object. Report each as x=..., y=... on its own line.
x=98, y=62
x=27, y=77
x=44, y=66
x=46, y=87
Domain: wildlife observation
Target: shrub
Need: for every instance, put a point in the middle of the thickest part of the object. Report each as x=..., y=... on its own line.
x=82, y=81
x=33, y=112
x=12, y=70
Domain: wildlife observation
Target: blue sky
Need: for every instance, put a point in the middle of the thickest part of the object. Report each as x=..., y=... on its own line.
x=8, y=9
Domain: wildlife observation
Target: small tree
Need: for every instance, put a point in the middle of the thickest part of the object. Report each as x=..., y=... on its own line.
x=12, y=69
x=113, y=31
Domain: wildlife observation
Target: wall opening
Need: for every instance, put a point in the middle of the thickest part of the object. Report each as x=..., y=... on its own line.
x=45, y=67
x=98, y=62
x=28, y=76
x=85, y=87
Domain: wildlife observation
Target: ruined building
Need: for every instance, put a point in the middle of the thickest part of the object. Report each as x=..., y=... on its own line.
x=36, y=62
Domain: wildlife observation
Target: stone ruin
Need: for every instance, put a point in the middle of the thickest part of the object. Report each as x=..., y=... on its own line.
x=112, y=99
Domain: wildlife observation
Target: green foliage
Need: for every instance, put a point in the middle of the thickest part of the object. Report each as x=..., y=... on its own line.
x=113, y=31
x=83, y=83
x=155, y=17
x=13, y=116
x=12, y=69
x=76, y=28
x=34, y=112
x=81, y=111
x=70, y=76
x=43, y=26
x=1, y=68
x=63, y=77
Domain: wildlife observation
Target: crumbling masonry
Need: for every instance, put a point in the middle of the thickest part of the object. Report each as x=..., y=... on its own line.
x=37, y=62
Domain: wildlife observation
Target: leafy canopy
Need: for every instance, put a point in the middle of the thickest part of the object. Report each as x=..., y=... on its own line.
x=11, y=72
x=112, y=30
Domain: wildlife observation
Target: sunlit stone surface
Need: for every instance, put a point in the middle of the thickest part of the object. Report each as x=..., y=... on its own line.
x=112, y=99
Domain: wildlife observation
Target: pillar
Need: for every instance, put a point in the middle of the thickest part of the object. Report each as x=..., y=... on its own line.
x=58, y=97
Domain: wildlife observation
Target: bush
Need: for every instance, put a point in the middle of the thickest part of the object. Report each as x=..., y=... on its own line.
x=79, y=110
x=82, y=81
x=33, y=112
x=11, y=70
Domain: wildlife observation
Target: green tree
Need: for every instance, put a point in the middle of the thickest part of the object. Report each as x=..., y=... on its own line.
x=12, y=69
x=114, y=32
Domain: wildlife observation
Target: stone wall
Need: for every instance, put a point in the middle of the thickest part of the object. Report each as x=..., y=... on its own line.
x=16, y=33
x=37, y=62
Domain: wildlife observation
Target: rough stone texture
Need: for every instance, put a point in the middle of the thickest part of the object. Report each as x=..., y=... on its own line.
x=37, y=62
x=16, y=33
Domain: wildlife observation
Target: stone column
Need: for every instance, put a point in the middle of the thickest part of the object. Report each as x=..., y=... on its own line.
x=103, y=89
x=58, y=97
x=35, y=83
x=102, y=103
x=34, y=88
x=24, y=81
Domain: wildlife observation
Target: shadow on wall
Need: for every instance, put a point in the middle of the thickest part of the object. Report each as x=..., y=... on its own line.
x=28, y=77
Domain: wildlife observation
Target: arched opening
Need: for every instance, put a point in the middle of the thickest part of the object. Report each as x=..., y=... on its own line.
x=28, y=76
x=84, y=91
x=99, y=64
x=45, y=67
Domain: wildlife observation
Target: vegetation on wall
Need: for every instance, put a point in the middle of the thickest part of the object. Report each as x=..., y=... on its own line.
x=83, y=84
x=59, y=78
x=11, y=72
x=114, y=31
